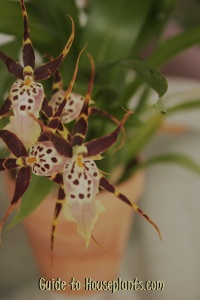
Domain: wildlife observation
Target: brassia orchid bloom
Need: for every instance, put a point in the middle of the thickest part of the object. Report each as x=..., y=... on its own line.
x=42, y=159
x=74, y=104
x=26, y=94
x=81, y=177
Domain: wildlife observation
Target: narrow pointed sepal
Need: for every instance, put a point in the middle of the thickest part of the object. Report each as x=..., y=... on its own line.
x=28, y=52
x=13, y=143
x=5, y=107
x=23, y=180
x=62, y=102
x=13, y=67
x=7, y=164
x=57, y=211
x=106, y=185
x=48, y=69
x=98, y=111
x=81, y=126
x=99, y=145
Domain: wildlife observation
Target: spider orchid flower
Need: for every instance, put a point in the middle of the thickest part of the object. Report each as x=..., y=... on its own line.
x=74, y=104
x=42, y=159
x=26, y=94
x=81, y=176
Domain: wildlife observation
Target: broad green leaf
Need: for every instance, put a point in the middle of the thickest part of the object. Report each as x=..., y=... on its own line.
x=38, y=190
x=147, y=73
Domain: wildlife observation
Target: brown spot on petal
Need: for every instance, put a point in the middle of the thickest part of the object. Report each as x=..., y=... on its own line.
x=15, y=97
x=81, y=196
x=22, y=107
x=76, y=182
x=54, y=159
x=49, y=151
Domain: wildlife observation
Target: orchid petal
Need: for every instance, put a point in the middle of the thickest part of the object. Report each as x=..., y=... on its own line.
x=25, y=128
x=85, y=215
x=28, y=52
x=81, y=184
x=13, y=143
x=5, y=107
x=99, y=145
x=58, y=208
x=13, y=67
x=106, y=185
x=48, y=69
x=23, y=180
x=46, y=161
x=7, y=164
x=81, y=125
x=72, y=108
x=26, y=98
x=57, y=82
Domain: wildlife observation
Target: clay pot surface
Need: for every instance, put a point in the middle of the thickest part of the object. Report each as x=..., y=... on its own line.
x=70, y=258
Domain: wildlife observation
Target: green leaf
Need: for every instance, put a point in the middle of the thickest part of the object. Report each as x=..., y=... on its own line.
x=159, y=15
x=159, y=105
x=147, y=73
x=136, y=140
x=38, y=190
x=192, y=104
x=175, y=158
x=175, y=45
x=112, y=29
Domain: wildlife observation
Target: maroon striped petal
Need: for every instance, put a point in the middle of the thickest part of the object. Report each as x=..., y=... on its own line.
x=106, y=185
x=48, y=69
x=13, y=143
x=99, y=145
x=28, y=52
x=13, y=67
x=81, y=125
x=5, y=107
x=57, y=211
x=8, y=164
x=23, y=180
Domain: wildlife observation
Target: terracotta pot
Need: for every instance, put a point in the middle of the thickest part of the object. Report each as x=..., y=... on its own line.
x=71, y=259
